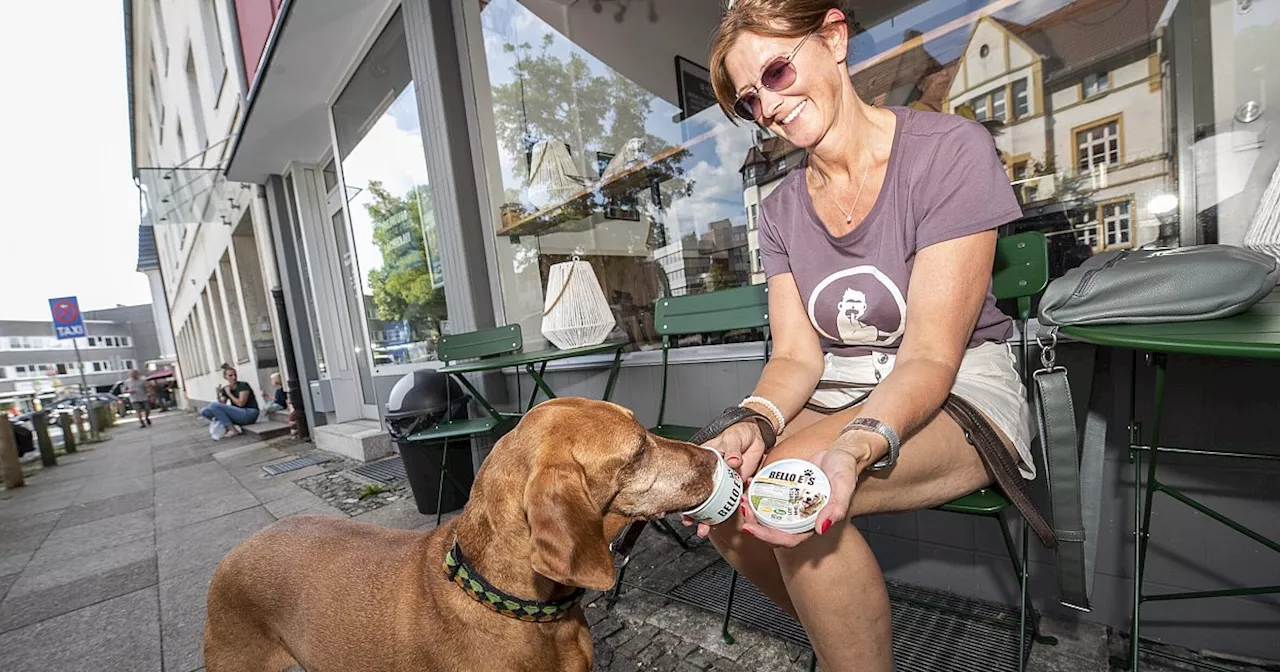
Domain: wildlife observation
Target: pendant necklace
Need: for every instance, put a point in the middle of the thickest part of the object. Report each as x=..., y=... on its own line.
x=848, y=216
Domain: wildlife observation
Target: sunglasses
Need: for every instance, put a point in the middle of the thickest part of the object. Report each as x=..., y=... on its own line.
x=777, y=76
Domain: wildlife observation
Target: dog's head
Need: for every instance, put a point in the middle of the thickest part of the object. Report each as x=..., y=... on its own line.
x=592, y=469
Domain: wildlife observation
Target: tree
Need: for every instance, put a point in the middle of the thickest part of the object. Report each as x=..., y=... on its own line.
x=403, y=288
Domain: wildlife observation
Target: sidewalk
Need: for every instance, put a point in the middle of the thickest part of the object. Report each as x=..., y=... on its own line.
x=105, y=562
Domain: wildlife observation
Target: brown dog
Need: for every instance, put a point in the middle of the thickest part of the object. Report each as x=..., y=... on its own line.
x=334, y=595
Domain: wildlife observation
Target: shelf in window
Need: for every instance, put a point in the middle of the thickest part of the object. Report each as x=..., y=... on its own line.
x=547, y=219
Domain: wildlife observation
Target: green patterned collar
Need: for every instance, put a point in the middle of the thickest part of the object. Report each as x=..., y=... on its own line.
x=460, y=571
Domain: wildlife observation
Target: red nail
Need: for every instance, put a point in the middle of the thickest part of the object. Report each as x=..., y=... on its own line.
x=825, y=526
x=749, y=532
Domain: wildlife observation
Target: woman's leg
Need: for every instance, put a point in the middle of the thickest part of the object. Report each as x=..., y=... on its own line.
x=241, y=416
x=832, y=582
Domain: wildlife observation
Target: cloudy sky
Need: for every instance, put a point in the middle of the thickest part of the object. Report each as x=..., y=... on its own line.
x=70, y=221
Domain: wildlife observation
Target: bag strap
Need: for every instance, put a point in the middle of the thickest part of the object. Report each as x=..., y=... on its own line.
x=1074, y=468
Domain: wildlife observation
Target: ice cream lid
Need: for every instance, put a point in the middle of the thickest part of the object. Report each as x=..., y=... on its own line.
x=789, y=494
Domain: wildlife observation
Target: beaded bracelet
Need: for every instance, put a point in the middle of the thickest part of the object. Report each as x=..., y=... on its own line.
x=773, y=409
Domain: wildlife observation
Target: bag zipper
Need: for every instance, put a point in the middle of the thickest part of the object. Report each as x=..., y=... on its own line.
x=1086, y=282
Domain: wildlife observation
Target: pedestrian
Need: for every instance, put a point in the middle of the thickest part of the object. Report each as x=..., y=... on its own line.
x=139, y=398
x=236, y=406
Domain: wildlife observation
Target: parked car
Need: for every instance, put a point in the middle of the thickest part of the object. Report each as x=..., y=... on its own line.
x=26, y=442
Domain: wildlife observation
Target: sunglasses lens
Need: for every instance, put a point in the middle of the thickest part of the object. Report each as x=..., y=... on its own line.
x=747, y=106
x=778, y=75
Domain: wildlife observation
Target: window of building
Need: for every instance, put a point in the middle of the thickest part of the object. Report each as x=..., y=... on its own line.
x=1087, y=230
x=215, y=53
x=1095, y=83
x=998, y=104
x=162, y=38
x=1098, y=146
x=979, y=106
x=1115, y=222
x=4, y=372
x=396, y=271
x=197, y=105
x=752, y=216
x=97, y=367
x=1021, y=102
x=62, y=369
x=758, y=262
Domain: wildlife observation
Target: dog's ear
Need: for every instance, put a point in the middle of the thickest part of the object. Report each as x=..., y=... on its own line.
x=568, y=529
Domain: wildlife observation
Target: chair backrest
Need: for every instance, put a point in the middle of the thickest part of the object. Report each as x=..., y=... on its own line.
x=723, y=310
x=737, y=308
x=482, y=343
x=1021, y=268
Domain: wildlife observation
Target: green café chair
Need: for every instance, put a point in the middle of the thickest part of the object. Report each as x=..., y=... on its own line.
x=458, y=347
x=1021, y=271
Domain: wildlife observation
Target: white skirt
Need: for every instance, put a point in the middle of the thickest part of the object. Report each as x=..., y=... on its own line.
x=988, y=379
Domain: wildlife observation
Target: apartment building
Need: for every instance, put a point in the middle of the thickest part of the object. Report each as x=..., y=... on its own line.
x=36, y=365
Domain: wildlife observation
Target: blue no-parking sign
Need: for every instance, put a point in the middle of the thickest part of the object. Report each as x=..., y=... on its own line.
x=67, y=322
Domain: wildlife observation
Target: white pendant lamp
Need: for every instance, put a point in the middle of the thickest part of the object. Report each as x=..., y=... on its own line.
x=575, y=312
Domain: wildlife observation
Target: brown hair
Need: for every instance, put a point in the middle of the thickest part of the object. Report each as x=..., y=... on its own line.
x=770, y=18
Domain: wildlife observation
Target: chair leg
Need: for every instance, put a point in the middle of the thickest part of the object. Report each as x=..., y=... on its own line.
x=728, y=609
x=1019, y=561
x=666, y=529
x=444, y=469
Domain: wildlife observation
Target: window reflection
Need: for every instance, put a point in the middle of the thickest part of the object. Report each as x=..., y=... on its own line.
x=397, y=269
x=597, y=158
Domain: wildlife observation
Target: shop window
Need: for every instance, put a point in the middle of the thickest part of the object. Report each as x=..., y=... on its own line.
x=396, y=271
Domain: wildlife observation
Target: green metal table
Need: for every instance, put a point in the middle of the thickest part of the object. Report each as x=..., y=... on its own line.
x=535, y=364
x=1254, y=334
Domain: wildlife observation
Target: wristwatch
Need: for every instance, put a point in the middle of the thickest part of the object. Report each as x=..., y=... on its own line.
x=873, y=425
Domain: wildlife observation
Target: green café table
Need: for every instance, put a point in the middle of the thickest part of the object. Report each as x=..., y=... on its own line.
x=535, y=364
x=1254, y=334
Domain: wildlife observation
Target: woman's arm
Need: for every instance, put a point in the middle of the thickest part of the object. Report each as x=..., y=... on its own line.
x=242, y=399
x=788, y=379
x=949, y=284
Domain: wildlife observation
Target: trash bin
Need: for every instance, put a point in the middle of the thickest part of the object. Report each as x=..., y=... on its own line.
x=420, y=401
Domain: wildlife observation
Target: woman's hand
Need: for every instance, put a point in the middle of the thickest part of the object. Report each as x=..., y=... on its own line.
x=743, y=448
x=840, y=464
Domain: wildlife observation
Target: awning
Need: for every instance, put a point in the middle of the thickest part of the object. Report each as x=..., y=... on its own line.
x=303, y=65
x=160, y=373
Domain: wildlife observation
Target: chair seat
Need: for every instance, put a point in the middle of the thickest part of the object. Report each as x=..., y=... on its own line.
x=675, y=432
x=470, y=427
x=986, y=502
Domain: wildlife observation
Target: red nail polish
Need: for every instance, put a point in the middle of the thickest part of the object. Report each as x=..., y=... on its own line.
x=825, y=526
x=749, y=532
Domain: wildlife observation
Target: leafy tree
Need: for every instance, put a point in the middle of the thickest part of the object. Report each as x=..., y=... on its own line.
x=402, y=288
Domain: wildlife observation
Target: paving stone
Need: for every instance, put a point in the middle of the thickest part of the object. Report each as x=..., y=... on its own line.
x=95, y=536
x=183, y=603
x=203, y=544
x=107, y=507
x=119, y=634
x=204, y=507
x=5, y=582
x=12, y=563
x=49, y=573
x=22, y=610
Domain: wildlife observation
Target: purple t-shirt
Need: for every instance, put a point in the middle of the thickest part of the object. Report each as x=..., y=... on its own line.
x=944, y=181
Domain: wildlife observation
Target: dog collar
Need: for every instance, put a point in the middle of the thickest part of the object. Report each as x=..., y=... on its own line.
x=460, y=571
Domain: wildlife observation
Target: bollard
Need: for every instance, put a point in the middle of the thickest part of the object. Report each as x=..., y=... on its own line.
x=41, y=422
x=80, y=428
x=10, y=467
x=68, y=436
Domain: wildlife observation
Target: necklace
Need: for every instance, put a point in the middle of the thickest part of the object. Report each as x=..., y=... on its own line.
x=848, y=216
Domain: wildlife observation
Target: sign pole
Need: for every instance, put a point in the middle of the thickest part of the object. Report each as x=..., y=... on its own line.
x=69, y=323
x=84, y=383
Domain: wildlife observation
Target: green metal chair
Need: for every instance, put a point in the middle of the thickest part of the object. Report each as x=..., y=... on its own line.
x=1021, y=271
x=713, y=312
x=458, y=347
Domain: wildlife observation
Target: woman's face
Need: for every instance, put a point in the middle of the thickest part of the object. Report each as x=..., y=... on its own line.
x=229, y=375
x=804, y=111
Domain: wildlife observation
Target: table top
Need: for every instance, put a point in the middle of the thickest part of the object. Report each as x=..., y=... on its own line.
x=1253, y=334
x=535, y=357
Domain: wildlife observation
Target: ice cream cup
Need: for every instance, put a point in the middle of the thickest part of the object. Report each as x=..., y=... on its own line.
x=788, y=495
x=725, y=497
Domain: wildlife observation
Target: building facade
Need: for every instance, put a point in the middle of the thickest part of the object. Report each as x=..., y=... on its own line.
x=415, y=168
x=34, y=364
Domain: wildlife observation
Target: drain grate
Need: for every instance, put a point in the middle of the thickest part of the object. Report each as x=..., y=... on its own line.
x=932, y=630
x=293, y=464
x=385, y=471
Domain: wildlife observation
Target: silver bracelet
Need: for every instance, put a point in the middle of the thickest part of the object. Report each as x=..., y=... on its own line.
x=873, y=425
x=773, y=409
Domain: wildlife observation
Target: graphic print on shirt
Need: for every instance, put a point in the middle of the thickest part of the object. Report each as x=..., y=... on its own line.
x=858, y=306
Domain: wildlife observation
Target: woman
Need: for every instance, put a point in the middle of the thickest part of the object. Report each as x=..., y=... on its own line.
x=878, y=250
x=236, y=405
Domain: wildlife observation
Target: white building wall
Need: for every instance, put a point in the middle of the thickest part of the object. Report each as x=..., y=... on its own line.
x=187, y=102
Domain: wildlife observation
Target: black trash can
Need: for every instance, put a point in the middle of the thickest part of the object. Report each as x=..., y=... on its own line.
x=419, y=401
